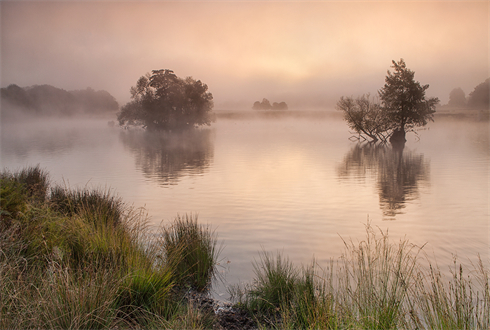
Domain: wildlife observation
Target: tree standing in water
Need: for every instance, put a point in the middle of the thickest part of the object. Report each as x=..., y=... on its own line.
x=404, y=103
x=163, y=101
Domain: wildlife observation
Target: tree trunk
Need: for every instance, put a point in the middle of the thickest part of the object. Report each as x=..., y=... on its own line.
x=397, y=139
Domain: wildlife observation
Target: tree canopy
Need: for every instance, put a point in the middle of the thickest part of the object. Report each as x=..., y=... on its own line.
x=457, y=98
x=403, y=106
x=479, y=97
x=403, y=99
x=161, y=100
x=266, y=105
x=45, y=100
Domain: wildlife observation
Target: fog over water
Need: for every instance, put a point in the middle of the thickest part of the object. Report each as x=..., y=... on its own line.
x=289, y=182
x=306, y=54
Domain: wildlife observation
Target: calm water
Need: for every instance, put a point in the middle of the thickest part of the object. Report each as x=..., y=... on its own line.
x=292, y=183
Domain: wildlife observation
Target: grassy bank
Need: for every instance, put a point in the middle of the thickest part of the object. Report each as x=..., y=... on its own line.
x=83, y=259
x=375, y=284
x=79, y=258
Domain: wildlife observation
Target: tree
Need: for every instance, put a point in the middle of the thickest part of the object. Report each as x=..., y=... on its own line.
x=457, y=98
x=257, y=105
x=164, y=101
x=403, y=106
x=479, y=97
x=403, y=100
x=279, y=106
x=365, y=117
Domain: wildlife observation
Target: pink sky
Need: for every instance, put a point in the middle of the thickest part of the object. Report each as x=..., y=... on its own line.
x=304, y=53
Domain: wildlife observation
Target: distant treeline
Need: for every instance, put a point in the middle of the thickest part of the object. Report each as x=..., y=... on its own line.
x=46, y=100
x=477, y=99
x=266, y=105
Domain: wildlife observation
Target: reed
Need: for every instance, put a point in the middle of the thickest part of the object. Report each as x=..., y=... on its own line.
x=454, y=303
x=375, y=284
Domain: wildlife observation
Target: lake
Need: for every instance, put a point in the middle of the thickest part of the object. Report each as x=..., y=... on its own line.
x=291, y=182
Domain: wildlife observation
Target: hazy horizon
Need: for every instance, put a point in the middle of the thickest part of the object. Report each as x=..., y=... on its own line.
x=301, y=53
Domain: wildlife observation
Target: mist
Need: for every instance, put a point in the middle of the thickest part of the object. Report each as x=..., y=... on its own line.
x=306, y=54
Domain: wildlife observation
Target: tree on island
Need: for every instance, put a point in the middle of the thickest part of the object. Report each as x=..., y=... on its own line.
x=403, y=107
x=266, y=105
x=457, y=98
x=163, y=101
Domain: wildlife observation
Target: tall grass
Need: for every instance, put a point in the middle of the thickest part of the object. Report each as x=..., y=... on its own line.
x=29, y=184
x=192, y=251
x=375, y=284
x=83, y=259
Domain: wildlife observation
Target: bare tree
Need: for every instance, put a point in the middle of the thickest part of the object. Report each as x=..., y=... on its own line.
x=365, y=117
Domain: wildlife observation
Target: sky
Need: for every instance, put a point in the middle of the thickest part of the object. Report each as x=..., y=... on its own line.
x=307, y=54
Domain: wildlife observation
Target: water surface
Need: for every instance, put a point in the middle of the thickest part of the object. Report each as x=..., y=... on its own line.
x=292, y=182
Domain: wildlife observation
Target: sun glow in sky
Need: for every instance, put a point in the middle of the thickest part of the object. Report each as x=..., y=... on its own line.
x=304, y=53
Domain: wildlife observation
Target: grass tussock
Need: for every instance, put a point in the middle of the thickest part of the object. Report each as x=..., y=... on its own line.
x=82, y=259
x=192, y=250
x=375, y=284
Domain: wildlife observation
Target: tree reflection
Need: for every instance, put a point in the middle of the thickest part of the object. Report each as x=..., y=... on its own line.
x=398, y=172
x=167, y=156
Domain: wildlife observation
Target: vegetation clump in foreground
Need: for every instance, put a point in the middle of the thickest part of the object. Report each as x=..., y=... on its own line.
x=82, y=259
x=376, y=284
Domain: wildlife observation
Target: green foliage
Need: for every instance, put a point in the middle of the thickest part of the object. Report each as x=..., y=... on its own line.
x=12, y=200
x=83, y=260
x=456, y=305
x=192, y=251
x=403, y=99
x=107, y=207
x=403, y=106
x=164, y=101
x=376, y=284
x=274, y=283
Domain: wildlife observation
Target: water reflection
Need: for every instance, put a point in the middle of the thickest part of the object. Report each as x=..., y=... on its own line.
x=398, y=174
x=166, y=156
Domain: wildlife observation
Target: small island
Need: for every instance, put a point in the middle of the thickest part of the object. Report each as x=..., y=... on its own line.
x=266, y=105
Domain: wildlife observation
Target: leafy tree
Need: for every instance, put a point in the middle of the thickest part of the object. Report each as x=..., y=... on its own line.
x=479, y=97
x=164, y=101
x=265, y=105
x=403, y=99
x=279, y=106
x=457, y=98
x=403, y=106
x=257, y=105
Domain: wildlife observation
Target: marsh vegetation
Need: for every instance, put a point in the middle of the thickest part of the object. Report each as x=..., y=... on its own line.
x=80, y=258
